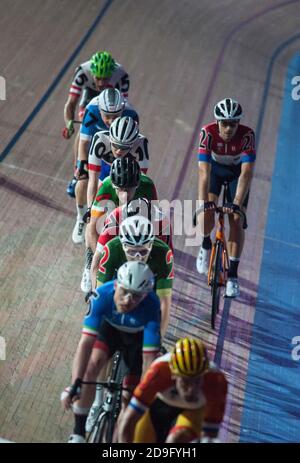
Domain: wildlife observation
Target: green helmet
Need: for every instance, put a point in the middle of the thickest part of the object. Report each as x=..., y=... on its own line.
x=102, y=64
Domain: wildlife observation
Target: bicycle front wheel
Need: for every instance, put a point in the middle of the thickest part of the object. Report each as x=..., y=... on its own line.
x=100, y=430
x=215, y=282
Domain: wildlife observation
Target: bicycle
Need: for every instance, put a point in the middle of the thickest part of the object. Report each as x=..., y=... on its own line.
x=219, y=260
x=103, y=429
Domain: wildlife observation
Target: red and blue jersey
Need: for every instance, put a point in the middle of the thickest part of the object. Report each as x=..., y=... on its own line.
x=239, y=150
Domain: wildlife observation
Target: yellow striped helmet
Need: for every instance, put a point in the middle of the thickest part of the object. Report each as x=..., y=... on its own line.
x=189, y=358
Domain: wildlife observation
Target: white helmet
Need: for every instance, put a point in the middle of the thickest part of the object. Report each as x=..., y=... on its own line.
x=136, y=276
x=136, y=231
x=111, y=101
x=228, y=109
x=124, y=131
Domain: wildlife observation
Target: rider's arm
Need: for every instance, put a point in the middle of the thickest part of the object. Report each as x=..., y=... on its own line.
x=91, y=323
x=244, y=183
x=152, y=338
x=156, y=379
x=215, y=391
x=127, y=425
x=165, y=298
x=69, y=109
x=82, y=356
x=92, y=187
x=204, y=180
x=164, y=286
x=83, y=149
x=95, y=265
x=97, y=220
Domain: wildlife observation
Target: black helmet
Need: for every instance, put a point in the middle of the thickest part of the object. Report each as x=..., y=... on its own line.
x=125, y=172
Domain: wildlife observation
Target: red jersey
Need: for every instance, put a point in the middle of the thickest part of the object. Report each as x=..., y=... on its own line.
x=159, y=383
x=240, y=149
x=161, y=224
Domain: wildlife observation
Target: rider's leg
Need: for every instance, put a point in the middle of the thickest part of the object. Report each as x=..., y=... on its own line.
x=207, y=223
x=235, y=244
x=80, y=193
x=236, y=241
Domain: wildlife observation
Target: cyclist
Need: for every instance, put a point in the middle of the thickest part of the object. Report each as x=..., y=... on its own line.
x=123, y=315
x=124, y=183
x=140, y=206
x=90, y=78
x=99, y=115
x=181, y=395
x=226, y=153
x=136, y=241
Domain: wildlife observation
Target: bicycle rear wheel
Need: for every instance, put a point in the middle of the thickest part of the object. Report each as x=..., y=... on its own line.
x=215, y=282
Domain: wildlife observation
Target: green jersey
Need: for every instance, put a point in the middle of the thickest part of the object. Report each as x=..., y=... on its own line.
x=107, y=199
x=160, y=261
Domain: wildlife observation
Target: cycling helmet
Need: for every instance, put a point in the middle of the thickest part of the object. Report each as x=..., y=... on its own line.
x=136, y=231
x=228, y=109
x=111, y=101
x=189, y=358
x=136, y=277
x=124, y=131
x=125, y=172
x=102, y=64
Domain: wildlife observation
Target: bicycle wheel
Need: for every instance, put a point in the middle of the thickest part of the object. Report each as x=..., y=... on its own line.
x=215, y=283
x=117, y=375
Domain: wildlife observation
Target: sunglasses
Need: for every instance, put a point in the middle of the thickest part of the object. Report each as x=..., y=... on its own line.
x=120, y=147
x=143, y=252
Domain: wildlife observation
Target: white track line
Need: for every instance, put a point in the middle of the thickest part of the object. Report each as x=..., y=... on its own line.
x=31, y=172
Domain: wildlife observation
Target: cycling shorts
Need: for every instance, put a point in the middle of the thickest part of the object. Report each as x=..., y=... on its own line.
x=110, y=339
x=219, y=174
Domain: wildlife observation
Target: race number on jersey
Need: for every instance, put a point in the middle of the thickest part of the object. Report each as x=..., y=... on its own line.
x=100, y=149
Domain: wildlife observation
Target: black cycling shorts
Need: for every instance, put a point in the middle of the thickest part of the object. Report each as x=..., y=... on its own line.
x=130, y=344
x=221, y=173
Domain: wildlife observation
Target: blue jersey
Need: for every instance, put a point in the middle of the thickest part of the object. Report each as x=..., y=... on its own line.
x=92, y=123
x=92, y=120
x=145, y=317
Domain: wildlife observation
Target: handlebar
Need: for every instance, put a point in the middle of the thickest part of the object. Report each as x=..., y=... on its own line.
x=219, y=210
x=111, y=385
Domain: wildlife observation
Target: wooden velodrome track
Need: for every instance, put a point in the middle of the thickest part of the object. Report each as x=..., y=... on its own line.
x=182, y=57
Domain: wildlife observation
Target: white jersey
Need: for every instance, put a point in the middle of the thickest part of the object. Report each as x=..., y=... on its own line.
x=83, y=78
x=100, y=149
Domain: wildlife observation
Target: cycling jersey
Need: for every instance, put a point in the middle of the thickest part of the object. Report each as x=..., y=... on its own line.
x=159, y=383
x=161, y=225
x=83, y=78
x=145, y=317
x=239, y=150
x=107, y=199
x=92, y=121
x=100, y=149
x=160, y=261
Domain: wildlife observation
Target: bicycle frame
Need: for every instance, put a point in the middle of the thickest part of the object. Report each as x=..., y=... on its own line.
x=110, y=409
x=221, y=238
